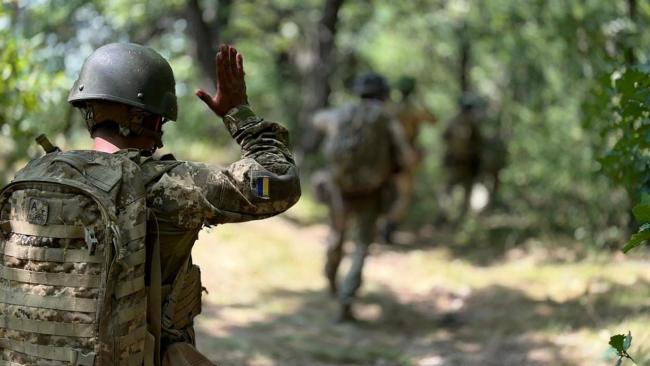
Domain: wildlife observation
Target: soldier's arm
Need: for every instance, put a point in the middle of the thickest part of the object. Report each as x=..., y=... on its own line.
x=324, y=120
x=264, y=182
x=404, y=154
x=426, y=116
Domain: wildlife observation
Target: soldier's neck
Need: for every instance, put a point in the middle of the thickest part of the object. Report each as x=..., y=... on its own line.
x=104, y=146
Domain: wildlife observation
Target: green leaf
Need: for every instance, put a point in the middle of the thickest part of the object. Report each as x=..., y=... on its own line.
x=636, y=240
x=642, y=212
x=617, y=342
x=645, y=198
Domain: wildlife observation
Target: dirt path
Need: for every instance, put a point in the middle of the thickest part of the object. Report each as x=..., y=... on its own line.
x=420, y=305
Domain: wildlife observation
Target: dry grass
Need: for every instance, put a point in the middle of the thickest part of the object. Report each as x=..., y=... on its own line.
x=421, y=304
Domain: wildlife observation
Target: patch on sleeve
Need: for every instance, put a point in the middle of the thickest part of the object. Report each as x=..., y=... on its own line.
x=261, y=186
x=38, y=210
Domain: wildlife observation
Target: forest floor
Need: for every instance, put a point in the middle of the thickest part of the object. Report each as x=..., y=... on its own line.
x=424, y=302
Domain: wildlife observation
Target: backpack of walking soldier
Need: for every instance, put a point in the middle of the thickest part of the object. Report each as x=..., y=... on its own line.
x=73, y=261
x=360, y=152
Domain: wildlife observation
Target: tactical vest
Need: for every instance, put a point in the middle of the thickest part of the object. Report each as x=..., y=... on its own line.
x=72, y=272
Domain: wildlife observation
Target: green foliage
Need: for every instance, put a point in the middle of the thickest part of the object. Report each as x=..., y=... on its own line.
x=627, y=161
x=621, y=344
x=535, y=61
x=625, y=131
x=25, y=93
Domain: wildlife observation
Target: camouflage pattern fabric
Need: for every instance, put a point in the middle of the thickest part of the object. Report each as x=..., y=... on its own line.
x=411, y=117
x=72, y=277
x=463, y=143
x=358, y=210
x=190, y=196
x=363, y=145
x=462, y=156
x=66, y=320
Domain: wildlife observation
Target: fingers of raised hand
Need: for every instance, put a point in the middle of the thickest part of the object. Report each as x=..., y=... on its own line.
x=240, y=65
x=222, y=58
x=205, y=97
x=233, y=61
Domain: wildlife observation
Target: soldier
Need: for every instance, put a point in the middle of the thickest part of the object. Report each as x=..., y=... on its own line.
x=463, y=144
x=412, y=116
x=126, y=94
x=363, y=148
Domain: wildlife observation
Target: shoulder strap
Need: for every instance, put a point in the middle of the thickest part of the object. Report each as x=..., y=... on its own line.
x=153, y=169
x=172, y=298
x=154, y=300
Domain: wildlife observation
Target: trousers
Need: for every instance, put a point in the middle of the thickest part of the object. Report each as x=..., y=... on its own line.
x=358, y=213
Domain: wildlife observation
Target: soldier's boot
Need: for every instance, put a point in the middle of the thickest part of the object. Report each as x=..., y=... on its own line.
x=345, y=314
x=352, y=283
x=388, y=231
x=333, y=260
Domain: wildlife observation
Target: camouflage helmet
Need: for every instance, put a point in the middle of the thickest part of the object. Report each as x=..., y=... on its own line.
x=370, y=85
x=406, y=84
x=127, y=73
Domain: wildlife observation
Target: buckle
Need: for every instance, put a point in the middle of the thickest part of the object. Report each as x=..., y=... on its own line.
x=91, y=239
x=84, y=359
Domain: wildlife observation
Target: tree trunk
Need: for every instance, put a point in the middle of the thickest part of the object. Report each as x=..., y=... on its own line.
x=207, y=36
x=464, y=60
x=315, y=86
x=630, y=56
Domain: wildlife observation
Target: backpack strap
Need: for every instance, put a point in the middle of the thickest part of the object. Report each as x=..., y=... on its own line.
x=173, y=297
x=154, y=300
x=154, y=169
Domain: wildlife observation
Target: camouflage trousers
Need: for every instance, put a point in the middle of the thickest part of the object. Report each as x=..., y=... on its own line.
x=404, y=192
x=359, y=214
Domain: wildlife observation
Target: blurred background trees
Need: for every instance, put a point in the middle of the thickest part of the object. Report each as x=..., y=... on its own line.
x=555, y=75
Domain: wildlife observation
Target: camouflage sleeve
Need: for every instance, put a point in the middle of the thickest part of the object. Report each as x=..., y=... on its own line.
x=263, y=183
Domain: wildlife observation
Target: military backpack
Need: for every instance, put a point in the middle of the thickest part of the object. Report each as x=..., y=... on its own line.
x=361, y=153
x=72, y=272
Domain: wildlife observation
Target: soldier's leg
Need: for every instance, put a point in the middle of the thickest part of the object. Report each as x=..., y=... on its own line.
x=400, y=206
x=333, y=257
x=335, y=241
x=468, y=185
x=365, y=216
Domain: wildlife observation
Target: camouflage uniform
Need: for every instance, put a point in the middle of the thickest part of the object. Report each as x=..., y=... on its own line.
x=182, y=198
x=462, y=157
x=360, y=209
x=192, y=195
x=411, y=116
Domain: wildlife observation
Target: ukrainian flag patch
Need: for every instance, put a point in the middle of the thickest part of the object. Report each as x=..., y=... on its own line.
x=263, y=184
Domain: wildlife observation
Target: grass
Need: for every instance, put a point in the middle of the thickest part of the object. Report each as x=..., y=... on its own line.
x=423, y=304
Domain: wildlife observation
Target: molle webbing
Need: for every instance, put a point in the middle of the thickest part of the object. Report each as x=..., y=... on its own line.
x=72, y=258
x=64, y=354
x=51, y=231
x=51, y=328
x=50, y=254
x=65, y=303
x=49, y=278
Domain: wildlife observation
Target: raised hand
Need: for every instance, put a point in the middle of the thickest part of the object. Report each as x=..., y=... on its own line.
x=231, y=87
